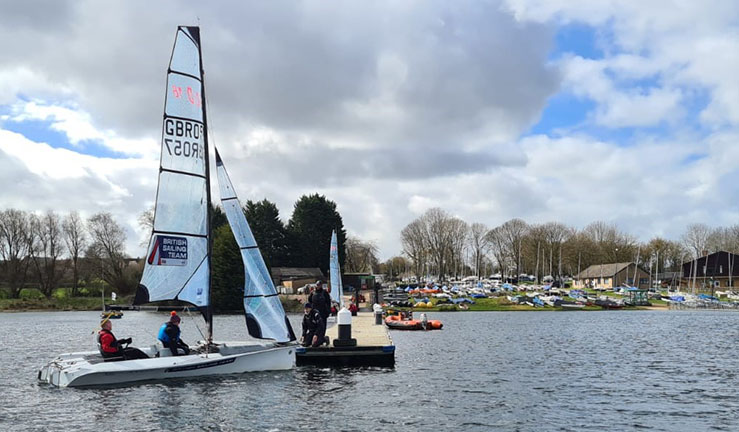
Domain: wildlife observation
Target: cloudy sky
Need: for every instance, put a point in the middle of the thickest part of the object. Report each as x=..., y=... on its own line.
x=564, y=110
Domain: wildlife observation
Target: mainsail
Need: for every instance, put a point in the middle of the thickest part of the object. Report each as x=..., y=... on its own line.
x=177, y=263
x=335, y=271
x=265, y=317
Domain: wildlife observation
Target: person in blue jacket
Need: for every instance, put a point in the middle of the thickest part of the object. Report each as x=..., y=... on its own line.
x=169, y=335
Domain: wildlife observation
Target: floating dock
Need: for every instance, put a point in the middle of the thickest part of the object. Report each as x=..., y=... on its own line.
x=374, y=346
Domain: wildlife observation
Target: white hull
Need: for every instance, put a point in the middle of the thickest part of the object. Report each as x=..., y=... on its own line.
x=87, y=369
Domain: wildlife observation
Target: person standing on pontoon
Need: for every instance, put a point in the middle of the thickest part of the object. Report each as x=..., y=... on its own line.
x=169, y=335
x=110, y=347
x=321, y=300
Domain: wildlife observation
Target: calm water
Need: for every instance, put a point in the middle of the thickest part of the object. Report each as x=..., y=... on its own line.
x=670, y=371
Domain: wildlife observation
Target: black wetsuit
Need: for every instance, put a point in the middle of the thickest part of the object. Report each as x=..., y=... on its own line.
x=321, y=300
x=313, y=325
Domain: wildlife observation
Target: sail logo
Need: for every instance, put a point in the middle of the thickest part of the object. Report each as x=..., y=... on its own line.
x=168, y=251
x=183, y=138
x=192, y=96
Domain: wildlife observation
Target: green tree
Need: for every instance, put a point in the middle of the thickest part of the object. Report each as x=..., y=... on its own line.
x=310, y=226
x=269, y=232
x=217, y=218
x=227, y=284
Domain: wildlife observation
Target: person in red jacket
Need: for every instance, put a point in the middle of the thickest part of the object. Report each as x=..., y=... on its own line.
x=111, y=348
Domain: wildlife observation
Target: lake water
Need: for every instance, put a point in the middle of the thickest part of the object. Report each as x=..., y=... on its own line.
x=543, y=371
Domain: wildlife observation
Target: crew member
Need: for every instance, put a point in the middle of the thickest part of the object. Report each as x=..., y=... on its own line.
x=314, y=327
x=321, y=300
x=111, y=348
x=169, y=335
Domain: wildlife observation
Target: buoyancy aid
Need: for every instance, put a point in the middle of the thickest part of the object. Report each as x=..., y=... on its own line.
x=164, y=337
x=107, y=341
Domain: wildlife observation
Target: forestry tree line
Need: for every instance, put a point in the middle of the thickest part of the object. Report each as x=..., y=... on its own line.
x=440, y=245
x=50, y=251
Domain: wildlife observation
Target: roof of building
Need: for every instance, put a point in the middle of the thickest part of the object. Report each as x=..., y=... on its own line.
x=598, y=270
x=691, y=261
x=297, y=273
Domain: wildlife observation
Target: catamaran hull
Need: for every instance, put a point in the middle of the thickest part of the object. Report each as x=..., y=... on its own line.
x=70, y=371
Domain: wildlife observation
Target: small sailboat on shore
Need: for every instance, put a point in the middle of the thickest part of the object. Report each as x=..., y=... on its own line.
x=178, y=264
x=337, y=288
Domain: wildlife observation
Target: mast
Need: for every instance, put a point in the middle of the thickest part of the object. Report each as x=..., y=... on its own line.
x=209, y=314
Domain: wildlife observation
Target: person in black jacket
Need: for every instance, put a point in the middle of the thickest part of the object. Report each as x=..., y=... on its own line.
x=314, y=327
x=320, y=299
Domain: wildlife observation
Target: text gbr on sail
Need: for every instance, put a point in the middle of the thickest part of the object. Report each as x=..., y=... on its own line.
x=183, y=138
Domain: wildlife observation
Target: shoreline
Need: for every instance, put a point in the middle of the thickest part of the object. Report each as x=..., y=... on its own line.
x=416, y=310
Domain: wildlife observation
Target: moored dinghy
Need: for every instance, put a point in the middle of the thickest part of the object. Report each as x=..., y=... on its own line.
x=178, y=260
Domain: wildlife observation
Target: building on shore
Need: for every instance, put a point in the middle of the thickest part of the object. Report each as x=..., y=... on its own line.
x=716, y=270
x=612, y=275
x=293, y=278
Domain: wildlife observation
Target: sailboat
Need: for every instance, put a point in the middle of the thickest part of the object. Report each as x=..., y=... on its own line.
x=337, y=289
x=177, y=265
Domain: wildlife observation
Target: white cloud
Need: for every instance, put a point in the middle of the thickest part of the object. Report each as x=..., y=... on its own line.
x=387, y=108
x=39, y=178
x=78, y=126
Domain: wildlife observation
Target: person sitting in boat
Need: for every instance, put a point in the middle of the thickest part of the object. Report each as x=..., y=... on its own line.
x=169, y=335
x=321, y=300
x=111, y=348
x=314, y=327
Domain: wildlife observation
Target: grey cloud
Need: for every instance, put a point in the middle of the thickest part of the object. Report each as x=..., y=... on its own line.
x=300, y=66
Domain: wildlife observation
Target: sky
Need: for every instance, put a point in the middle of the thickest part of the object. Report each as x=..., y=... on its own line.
x=545, y=110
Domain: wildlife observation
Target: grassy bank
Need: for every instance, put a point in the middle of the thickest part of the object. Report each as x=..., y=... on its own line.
x=32, y=300
x=65, y=304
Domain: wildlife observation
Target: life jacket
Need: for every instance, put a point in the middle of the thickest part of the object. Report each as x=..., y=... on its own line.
x=164, y=337
x=107, y=342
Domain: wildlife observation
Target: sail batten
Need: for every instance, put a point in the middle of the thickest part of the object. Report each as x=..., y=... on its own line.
x=176, y=266
x=265, y=316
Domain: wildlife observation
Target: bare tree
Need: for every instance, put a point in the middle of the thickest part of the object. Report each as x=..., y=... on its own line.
x=555, y=234
x=497, y=245
x=361, y=256
x=696, y=239
x=108, y=245
x=456, y=239
x=46, y=248
x=513, y=233
x=14, y=248
x=412, y=238
x=395, y=267
x=478, y=242
x=146, y=222
x=436, y=222
x=76, y=241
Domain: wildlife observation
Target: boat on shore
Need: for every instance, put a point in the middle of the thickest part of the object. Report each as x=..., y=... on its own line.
x=178, y=260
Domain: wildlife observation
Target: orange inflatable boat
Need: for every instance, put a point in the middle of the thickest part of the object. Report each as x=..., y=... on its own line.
x=399, y=322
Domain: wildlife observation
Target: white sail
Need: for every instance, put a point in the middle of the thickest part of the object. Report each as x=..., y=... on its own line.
x=335, y=271
x=265, y=317
x=176, y=264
